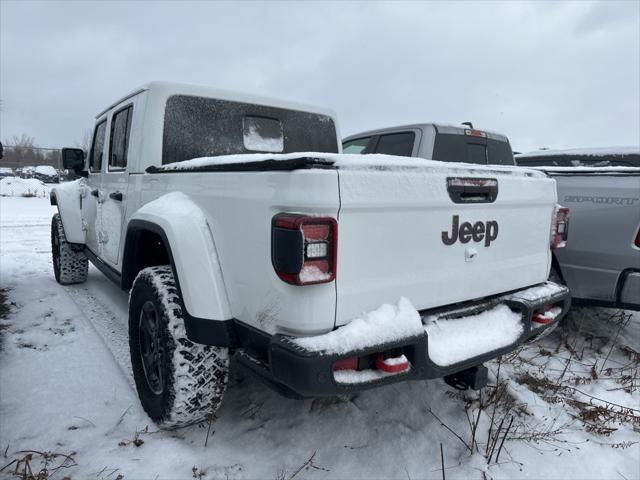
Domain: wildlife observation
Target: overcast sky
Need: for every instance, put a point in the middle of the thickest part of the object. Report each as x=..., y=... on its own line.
x=546, y=74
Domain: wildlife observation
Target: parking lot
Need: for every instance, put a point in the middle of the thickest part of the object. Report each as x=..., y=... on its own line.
x=567, y=406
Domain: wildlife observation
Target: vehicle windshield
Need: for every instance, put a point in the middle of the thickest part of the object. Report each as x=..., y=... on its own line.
x=206, y=127
x=450, y=147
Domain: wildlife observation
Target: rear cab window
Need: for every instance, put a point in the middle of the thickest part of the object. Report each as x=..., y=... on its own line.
x=206, y=127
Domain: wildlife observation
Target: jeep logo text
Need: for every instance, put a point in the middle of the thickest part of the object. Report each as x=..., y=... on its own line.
x=465, y=232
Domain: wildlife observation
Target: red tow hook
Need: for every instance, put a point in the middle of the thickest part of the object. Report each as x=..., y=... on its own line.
x=546, y=315
x=392, y=365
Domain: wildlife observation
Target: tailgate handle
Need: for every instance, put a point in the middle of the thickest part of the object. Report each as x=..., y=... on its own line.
x=472, y=190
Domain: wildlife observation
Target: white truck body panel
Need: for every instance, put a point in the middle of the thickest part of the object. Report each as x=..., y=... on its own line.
x=195, y=255
x=238, y=208
x=390, y=239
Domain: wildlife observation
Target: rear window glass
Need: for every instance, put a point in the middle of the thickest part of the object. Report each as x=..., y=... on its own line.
x=450, y=147
x=206, y=127
x=355, y=146
x=262, y=134
x=476, y=153
x=396, y=144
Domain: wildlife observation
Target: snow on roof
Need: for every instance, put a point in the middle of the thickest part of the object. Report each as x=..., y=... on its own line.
x=352, y=162
x=586, y=152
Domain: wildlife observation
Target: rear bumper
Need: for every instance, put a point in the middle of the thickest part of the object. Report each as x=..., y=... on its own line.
x=295, y=370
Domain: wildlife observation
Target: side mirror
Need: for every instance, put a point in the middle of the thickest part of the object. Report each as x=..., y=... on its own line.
x=73, y=159
x=1, y=150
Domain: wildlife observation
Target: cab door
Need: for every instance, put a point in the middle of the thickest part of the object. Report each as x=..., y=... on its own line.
x=115, y=180
x=92, y=195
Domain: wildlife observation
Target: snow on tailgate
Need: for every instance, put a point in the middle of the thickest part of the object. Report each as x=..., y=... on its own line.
x=388, y=323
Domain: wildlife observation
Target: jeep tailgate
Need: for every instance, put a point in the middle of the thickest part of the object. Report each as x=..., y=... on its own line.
x=396, y=233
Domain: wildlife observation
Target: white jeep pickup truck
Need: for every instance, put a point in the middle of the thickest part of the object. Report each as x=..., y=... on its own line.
x=323, y=273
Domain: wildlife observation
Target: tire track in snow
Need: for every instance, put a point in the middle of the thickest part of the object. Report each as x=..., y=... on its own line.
x=107, y=325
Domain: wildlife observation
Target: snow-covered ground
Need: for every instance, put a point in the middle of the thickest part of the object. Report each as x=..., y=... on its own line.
x=568, y=406
x=23, y=187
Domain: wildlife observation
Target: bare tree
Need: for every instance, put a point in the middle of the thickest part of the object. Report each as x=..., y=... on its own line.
x=20, y=150
x=22, y=141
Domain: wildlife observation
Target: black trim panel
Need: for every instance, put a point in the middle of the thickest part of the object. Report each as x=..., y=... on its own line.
x=257, y=166
x=108, y=271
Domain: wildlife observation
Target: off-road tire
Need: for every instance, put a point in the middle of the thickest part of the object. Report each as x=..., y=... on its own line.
x=187, y=381
x=70, y=264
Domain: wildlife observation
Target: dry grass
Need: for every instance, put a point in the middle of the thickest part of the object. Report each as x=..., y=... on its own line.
x=35, y=465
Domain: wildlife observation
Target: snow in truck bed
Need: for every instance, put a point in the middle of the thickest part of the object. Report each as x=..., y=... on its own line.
x=353, y=161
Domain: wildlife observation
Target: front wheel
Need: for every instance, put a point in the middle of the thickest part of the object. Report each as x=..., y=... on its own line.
x=179, y=382
x=70, y=265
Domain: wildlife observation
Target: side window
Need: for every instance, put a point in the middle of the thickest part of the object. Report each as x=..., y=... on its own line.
x=396, y=144
x=355, y=146
x=97, y=147
x=119, y=141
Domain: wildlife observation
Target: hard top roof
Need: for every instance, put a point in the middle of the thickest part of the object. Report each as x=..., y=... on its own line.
x=442, y=127
x=166, y=89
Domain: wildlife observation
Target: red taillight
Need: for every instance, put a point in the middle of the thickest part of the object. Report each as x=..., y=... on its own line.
x=304, y=248
x=560, y=228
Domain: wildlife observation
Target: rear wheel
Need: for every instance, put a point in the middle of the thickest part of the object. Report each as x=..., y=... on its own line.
x=179, y=382
x=70, y=265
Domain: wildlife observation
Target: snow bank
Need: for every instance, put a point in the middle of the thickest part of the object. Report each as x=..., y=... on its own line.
x=388, y=323
x=586, y=152
x=22, y=187
x=351, y=161
x=455, y=340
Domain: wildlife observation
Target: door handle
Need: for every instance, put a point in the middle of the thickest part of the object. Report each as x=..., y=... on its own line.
x=116, y=196
x=95, y=193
